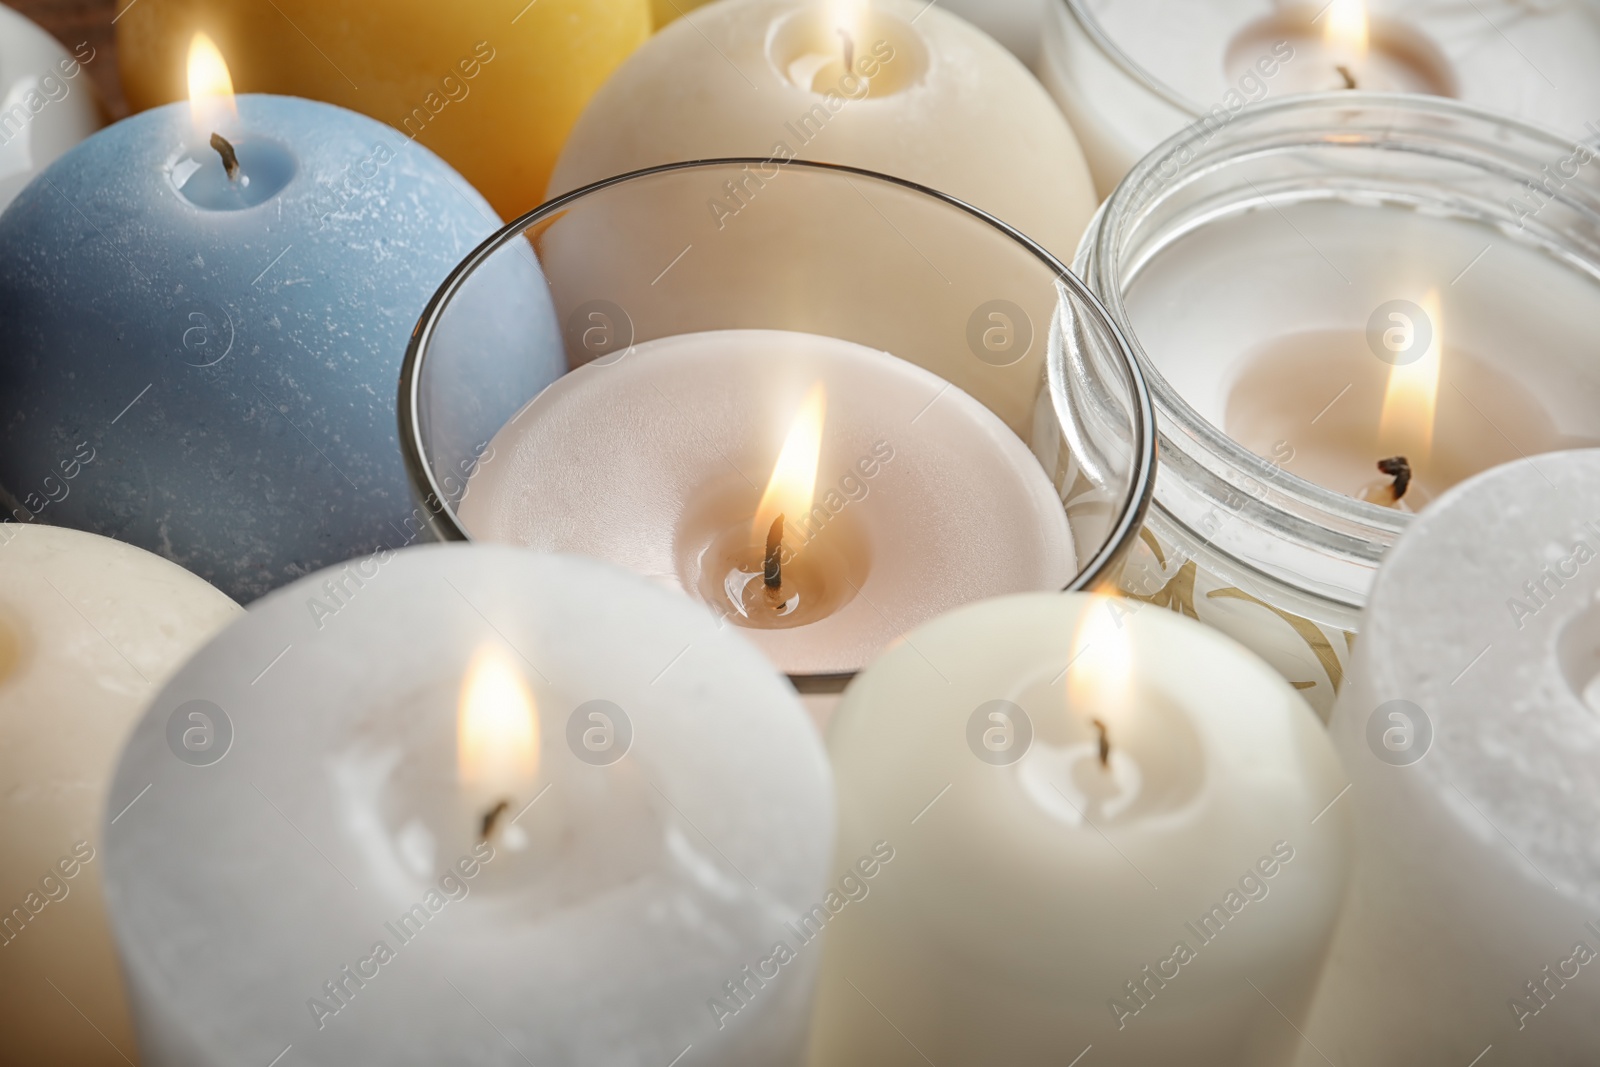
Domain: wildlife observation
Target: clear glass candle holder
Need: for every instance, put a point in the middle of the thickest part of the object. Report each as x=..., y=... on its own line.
x=1130, y=73
x=1274, y=280
x=703, y=303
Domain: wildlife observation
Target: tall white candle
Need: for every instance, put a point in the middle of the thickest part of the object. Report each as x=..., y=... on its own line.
x=89, y=630
x=924, y=96
x=923, y=499
x=470, y=803
x=47, y=101
x=1475, y=912
x=1109, y=832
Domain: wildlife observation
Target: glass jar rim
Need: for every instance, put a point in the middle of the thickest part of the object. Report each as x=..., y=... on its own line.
x=1104, y=261
x=1100, y=567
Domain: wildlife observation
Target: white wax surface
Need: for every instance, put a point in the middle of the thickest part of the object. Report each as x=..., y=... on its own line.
x=241, y=890
x=1517, y=326
x=46, y=97
x=1025, y=896
x=623, y=461
x=965, y=117
x=89, y=630
x=1479, y=863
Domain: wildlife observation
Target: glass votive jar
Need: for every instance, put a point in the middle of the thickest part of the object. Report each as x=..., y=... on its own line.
x=1130, y=73
x=813, y=397
x=1332, y=282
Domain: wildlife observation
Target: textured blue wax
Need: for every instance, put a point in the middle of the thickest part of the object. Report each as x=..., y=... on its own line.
x=234, y=373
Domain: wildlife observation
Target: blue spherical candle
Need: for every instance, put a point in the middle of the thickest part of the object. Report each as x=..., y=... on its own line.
x=201, y=339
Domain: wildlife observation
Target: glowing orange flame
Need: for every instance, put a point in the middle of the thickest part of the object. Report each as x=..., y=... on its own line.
x=497, y=727
x=794, y=476
x=1100, y=678
x=1406, y=426
x=210, y=86
x=1346, y=30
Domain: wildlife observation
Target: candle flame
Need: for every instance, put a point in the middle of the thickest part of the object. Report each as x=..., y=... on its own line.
x=497, y=727
x=1100, y=673
x=210, y=86
x=1347, y=26
x=1406, y=425
x=794, y=476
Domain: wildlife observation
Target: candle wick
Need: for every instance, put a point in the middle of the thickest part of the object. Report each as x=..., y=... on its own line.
x=772, y=569
x=1105, y=742
x=230, y=158
x=491, y=817
x=1349, y=79
x=849, y=50
x=1398, y=468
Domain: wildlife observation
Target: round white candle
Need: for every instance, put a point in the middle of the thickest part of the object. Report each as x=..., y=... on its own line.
x=929, y=98
x=89, y=628
x=319, y=879
x=923, y=500
x=47, y=103
x=1039, y=899
x=1475, y=785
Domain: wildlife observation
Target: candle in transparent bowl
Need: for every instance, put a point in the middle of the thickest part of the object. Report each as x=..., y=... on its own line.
x=1328, y=283
x=1130, y=73
x=939, y=470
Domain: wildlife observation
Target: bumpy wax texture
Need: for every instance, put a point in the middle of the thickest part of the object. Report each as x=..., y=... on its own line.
x=233, y=374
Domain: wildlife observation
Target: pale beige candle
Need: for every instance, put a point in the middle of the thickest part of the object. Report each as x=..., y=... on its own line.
x=89, y=629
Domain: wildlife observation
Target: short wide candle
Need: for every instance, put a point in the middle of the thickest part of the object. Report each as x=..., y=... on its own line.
x=89, y=628
x=497, y=807
x=923, y=499
x=1110, y=829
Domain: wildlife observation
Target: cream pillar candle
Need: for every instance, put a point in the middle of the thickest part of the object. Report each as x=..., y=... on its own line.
x=89, y=630
x=1110, y=831
x=47, y=105
x=917, y=498
x=1475, y=785
x=924, y=96
x=479, y=805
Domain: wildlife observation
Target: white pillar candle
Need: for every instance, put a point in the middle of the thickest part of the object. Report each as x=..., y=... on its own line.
x=1109, y=832
x=89, y=630
x=1131, y=73
x=325, y=875
x=919, y=498
x=1474, y=781
x=47, y=102
x=925, y=96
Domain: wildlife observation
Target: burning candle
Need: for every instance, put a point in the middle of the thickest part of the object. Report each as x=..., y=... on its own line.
x=89, y=629
x=1133, y=73
x=216, y=297
x=499, y=805
x=492, y=86
x=1109, y=832
x=44, y=108
x=1468, y=729
x=891, y=86
x=879, y=496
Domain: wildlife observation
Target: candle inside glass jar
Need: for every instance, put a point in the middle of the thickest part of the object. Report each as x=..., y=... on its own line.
x=1396, y=430
x=1339, y=46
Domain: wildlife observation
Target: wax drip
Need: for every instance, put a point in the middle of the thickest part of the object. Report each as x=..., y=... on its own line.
x=1105, y=742
x=849, y=50
x=230, y=158
x=1349, y=79
x=1398, y=468
x=772, y=568
x=491, y=817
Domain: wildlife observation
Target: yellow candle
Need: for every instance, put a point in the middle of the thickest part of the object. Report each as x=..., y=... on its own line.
x=493, y=86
